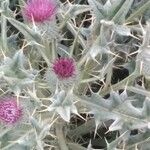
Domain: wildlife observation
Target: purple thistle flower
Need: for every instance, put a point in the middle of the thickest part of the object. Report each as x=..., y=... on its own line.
x=39, y=10
x=64, y=68
x=10, y=111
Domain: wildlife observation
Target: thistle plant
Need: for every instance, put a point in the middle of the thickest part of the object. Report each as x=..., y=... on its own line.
x=74, y=74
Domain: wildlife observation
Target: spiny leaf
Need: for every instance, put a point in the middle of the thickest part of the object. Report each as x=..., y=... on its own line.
x=121, y=14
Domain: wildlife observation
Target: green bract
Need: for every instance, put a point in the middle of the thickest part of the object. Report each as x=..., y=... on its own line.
x=80, y=75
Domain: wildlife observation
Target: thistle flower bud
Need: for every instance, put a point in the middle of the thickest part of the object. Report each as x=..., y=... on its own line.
x=39, y=10
x=64, y=68
x=41, y=17
x=10, y=111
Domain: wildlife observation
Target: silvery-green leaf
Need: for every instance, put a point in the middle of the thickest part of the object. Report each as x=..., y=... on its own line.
x=116, y=125
x=113, y=145
x=24, y=29
x=146, y=109
x=97, y=9
x=63, y=104
x=122, y=30
x=122, y=12
x=77, y=9
x=51, y=79
x=111, y=7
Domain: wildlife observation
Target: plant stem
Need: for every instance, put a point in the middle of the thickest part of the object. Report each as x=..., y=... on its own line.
x=119, y=85
x=83, y=129
x=74, y=146
x=4, y=33
x=138, y=90
x=60, y=137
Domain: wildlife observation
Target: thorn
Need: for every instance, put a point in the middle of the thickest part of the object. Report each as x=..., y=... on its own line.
x=134, y=37
x=142, y=26
x=134, y=53
x=125, y=89
x=141, y=66
x=3, y=54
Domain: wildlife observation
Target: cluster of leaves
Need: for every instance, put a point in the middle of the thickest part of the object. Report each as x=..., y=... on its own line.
x=81, y=77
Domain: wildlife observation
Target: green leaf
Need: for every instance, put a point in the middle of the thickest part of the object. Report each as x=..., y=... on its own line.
x=119, y=18
x=120, y=110
x=111, y=7
x=146, y=109
x=113, y=145
x=29, y=34
x=138, y=12
x=63, y=104
x=122, y=30
x=77, y=9
x=97, y=9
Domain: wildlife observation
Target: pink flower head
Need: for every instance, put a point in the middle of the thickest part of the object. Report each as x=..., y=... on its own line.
x=64, y=68
x=39, y=10
x=10, y=111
